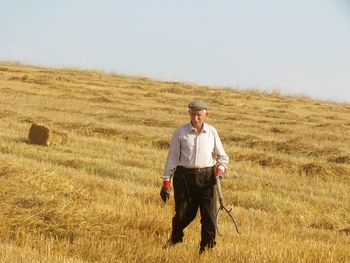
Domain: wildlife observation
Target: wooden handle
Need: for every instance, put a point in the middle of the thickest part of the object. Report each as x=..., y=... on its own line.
x=218, y=189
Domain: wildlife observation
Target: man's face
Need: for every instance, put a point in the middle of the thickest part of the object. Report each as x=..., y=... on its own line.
x=197, y=117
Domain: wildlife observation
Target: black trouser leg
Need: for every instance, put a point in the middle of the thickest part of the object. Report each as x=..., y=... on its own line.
x=207, y=210
x=186, y=207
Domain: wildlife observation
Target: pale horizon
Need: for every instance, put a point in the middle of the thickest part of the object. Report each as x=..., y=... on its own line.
x=294, y=47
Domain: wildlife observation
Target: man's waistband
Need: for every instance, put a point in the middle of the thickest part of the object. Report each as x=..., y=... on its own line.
x=204, y=169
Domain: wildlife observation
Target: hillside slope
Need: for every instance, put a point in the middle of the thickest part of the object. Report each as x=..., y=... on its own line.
x=96, y=198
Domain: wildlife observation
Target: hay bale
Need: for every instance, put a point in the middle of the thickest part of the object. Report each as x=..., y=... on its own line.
x=42, y=135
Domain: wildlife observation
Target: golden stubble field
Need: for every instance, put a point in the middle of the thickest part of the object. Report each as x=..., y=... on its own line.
x=96, y=198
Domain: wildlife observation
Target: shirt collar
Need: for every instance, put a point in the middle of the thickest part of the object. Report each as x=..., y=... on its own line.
x=205, y=128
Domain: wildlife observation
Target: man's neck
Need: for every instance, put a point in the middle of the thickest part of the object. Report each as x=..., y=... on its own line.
x=198, y=130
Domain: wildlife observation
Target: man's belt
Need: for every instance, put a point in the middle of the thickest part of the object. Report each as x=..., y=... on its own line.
x=199, y=170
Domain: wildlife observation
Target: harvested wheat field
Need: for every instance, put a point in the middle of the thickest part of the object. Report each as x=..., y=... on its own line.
x=95, y=198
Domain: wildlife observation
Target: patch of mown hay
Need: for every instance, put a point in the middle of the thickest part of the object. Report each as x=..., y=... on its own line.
x=322, y=170
x=327, y=222
x=340, y=159
x=278, y=130
x=7, y=113
x=293, y=146
x=42, y=135
x=345, y=230
x=102, y=99
x=263, y=160
x=161, y=143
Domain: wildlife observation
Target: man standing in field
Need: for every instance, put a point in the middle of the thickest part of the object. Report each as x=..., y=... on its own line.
x=195, y=158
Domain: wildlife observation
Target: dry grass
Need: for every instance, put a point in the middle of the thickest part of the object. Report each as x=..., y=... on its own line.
x=96, y=198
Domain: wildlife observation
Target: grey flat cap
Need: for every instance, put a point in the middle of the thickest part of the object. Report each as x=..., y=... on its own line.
x=198, y=104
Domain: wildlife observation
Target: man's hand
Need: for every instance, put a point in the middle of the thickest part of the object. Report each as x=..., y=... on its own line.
x=165, y=191
x=220, y=171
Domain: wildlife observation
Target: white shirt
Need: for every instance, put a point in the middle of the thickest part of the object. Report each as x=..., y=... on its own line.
x=191, y=149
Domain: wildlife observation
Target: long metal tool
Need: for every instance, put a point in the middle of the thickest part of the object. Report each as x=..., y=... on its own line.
x=222, y=207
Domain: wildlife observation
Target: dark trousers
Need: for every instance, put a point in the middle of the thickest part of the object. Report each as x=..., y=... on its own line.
x=193, y=189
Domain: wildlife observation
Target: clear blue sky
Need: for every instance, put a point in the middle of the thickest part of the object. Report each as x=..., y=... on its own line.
x=294, y=46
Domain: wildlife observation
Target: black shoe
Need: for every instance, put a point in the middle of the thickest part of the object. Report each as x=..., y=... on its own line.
x=170, y=243
x=204, y=248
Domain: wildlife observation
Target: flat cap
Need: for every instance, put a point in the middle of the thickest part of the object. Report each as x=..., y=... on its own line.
x=198, y=104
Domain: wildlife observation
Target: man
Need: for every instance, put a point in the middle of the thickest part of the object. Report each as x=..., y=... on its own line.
x=195, y=158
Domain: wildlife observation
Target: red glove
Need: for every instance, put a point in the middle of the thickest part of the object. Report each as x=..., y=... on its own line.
x=165, y=191
x=166, y=184
x=220, y=170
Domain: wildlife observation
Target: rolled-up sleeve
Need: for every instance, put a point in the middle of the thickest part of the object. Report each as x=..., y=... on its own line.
x=221, y=156
x=173, y=157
